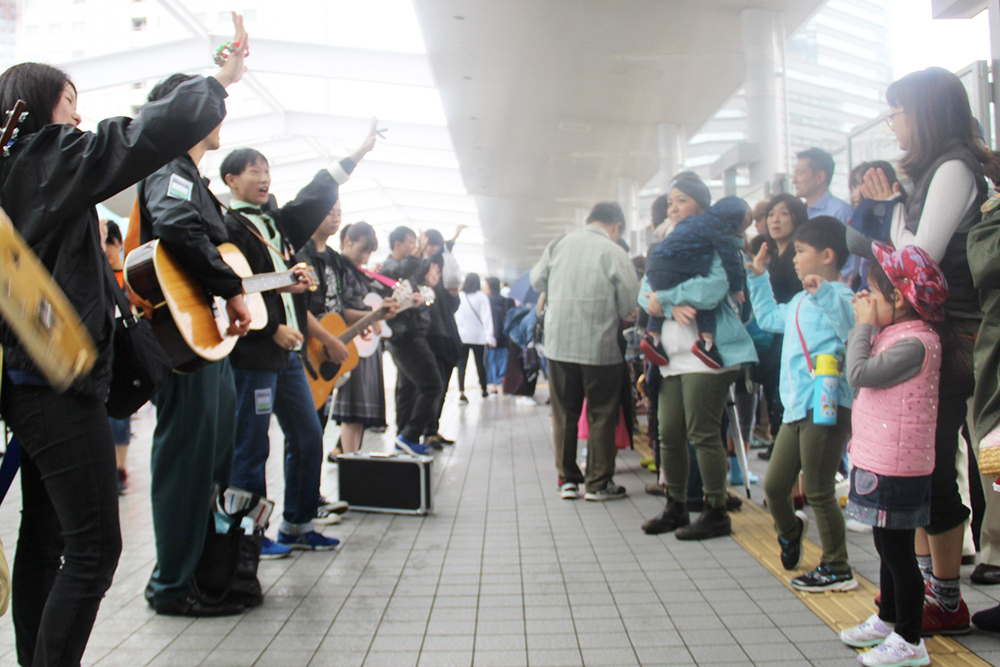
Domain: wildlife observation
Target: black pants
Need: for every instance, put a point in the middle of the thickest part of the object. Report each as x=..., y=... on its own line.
x=69, y=494
x=445, y=369
x=479, y=351
x=418, y=385
x=901, y=582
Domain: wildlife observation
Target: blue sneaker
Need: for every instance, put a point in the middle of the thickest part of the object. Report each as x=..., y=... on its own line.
x=311, y=541
x=271, y=550
x=407, y=446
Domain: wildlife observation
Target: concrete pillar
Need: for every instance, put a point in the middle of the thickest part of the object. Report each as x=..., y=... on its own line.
x=628, y=197
x=671, y=142
x=764, y=73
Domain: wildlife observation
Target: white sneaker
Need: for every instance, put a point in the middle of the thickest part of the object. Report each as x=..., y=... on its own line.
x=896, y=652
x=871, y=631
x=569, y=491
x=527, y=400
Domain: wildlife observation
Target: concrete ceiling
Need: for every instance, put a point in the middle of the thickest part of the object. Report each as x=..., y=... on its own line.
x=549, y=103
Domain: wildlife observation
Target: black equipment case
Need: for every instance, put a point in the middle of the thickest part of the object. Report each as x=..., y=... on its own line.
x=383, y=482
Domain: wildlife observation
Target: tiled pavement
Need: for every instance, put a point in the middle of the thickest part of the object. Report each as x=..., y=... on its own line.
x=504, y=573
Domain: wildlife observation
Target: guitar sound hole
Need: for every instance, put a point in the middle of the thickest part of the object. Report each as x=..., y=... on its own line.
x=328, y=370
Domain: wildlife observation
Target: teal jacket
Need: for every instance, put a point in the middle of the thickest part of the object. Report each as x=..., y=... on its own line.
x=708, y=293
x=825, y=320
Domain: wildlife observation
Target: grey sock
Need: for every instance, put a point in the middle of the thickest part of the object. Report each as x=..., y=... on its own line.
x=926, y=567
x=948, y=591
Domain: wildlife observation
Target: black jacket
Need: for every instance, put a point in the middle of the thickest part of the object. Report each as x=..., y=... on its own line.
x=55, y=177
x=296, y=221
x=176, y=206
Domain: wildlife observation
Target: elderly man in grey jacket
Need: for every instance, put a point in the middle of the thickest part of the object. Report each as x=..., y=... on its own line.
x=590, y=288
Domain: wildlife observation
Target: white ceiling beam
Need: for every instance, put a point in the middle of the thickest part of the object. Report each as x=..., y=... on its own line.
x=271, y=56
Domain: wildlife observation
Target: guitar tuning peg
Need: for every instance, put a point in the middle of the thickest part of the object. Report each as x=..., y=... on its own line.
x=23, y=117
x=13, y=135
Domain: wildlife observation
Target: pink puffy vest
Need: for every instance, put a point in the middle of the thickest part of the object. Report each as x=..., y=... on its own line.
x=893, y=428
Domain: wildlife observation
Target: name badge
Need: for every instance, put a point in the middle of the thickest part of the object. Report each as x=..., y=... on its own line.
x=179, y=188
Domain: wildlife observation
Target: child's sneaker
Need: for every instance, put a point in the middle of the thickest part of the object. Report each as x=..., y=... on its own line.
x=569, y=491
x=709, y=355
x=896, y=652
x=653, y=351
x=825, y=579
x=939, y=620
x=871, y=631
x=791, y=550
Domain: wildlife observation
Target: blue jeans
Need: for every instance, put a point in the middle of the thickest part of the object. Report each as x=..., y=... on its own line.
x=121, y=430
x=496, y=364
x=286, y=394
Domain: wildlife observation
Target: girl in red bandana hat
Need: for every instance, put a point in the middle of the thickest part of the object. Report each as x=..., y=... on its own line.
x=894, y=361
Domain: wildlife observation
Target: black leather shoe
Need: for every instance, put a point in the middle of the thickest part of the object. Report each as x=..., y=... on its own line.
x=766, y=454
x=443, y=440
x=986, y=575
x=733, y=503
x=713, y=522
x=673, y=516
x=191, y=605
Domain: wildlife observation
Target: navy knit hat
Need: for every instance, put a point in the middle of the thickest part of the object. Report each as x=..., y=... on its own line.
x=696, y=189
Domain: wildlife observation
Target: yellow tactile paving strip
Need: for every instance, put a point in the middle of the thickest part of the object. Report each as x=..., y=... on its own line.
x=753, y=530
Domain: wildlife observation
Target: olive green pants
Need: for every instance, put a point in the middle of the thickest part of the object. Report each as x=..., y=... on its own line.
x=816, y=451
x=690, y=410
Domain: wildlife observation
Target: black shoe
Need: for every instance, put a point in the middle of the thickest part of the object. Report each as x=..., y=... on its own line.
x=486, y=394
x=791, y=550
x=824, y=579
x=766, y=454
x=443, y=440
x=733, y=503
x=713, y=522
x=986, y=575
x=653, y=351
x=191, y=605
x=987, y=619
x=709, y=355
x=673, y=516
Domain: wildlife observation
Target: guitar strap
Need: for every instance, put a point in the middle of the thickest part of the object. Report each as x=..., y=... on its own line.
x=284, y=254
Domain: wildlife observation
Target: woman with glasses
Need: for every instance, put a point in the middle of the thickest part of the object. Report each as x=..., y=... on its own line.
x=932, y=121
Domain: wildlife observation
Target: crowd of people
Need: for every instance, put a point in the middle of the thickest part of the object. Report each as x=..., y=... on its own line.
x=867, y=329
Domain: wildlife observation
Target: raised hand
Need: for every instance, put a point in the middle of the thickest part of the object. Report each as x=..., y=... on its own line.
x=369, y=141
x=235, y=66
x=758, y=265
x=876, y=186
x=812, y=283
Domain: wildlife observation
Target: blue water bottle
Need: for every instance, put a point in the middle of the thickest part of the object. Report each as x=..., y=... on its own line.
x=825, y=384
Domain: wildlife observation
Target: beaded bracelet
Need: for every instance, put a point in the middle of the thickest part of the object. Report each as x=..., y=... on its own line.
x=224, y=51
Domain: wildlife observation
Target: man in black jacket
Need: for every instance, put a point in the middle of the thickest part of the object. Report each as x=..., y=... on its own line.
x=195, y=412
x=267, y=364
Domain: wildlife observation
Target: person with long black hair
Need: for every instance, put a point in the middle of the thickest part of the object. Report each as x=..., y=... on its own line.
x=932, y=121
x=70, y=539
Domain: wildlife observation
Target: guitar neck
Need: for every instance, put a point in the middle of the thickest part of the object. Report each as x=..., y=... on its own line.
x=265, y=282
x=350, y=332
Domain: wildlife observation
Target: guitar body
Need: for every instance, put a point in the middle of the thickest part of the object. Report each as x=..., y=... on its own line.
x=39, y=314
x=188, y=324
x=367, y=342
x=326, y=372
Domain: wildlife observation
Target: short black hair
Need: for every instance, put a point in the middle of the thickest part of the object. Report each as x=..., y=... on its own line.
x=607, y=212
x=358, y=231
x=658, y=211
x=823, y=232
x=434, y=237
x=471, y=284
x=167, y=86
x=237, y=162
x=436, y=258
x=819, y=160
x=494, y=284
x=114, y=234
x=40, y=86
x=399, y=235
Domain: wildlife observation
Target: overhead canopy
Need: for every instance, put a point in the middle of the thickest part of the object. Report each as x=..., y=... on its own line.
x=549, y=103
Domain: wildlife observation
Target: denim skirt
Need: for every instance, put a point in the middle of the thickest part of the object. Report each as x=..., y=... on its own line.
x=897, y=503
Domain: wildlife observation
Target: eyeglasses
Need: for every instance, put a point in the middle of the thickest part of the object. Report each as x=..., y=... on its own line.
x=889, y=118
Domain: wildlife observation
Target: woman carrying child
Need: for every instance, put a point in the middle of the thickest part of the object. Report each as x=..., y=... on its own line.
x=894, y=361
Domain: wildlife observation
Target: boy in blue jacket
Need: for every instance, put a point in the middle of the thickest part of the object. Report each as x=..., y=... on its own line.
x=815, y=321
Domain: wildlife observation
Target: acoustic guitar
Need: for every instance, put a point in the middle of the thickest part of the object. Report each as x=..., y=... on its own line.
x=33, y=305
x=321, y=372
x=189, y=323
x=368, y=340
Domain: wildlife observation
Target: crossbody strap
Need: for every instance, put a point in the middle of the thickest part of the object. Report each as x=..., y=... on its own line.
x=802, y=339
